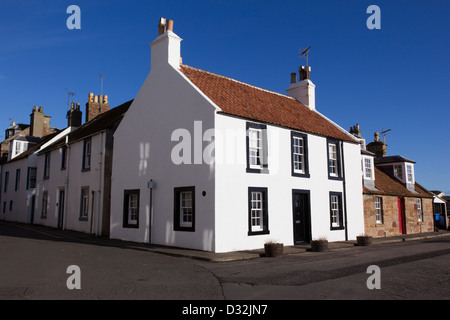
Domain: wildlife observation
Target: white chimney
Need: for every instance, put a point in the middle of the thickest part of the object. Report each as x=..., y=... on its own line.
x=166, y=47
x=304, y=90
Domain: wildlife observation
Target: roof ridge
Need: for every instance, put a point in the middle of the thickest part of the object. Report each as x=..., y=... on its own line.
x=240, y=82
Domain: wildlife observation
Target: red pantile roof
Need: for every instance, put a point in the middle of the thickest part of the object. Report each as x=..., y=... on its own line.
x=388, y=186
x=243, y=100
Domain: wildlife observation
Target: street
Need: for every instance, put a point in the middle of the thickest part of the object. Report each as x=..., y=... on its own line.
x=34, y=266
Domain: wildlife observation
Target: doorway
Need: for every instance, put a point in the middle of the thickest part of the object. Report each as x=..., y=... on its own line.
x=301, y=216
x=401, y=216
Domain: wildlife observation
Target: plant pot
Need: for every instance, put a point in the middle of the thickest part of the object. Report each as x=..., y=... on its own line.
x=364, y=240
x=273, y=249
x=319, y=245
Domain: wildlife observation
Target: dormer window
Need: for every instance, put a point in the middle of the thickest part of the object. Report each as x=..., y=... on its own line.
x=367, y=168
x=398, y=171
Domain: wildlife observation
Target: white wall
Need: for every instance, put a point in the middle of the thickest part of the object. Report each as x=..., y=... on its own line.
x=232, y=184
x=142, y=151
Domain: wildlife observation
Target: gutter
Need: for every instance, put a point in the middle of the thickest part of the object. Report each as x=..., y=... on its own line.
x=344, y=191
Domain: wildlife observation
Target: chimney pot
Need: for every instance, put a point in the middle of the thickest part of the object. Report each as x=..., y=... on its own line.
x=293, y=77
x=41, y=109
x=170, y=25
x=105, y=99
x=91, y=97
x=96, y=99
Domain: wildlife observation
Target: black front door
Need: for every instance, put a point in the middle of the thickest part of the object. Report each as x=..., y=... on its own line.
x=302, y=216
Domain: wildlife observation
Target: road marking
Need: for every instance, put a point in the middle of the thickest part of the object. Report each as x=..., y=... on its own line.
x=41, y=232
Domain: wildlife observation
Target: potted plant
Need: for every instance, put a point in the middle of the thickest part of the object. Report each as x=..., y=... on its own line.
x=273, y=249
x=319, y=244
x=364, y=240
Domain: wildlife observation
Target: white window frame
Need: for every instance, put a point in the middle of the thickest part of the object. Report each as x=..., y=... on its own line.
x=367, y=168
x=133, y=208
x=299, y=154
x=334, y=206
x=409, y=173
x=257, y=211
x=398, y=171
x=419, y=210
x=332, y=159
x=186, y=209
x=84, y=204
x=378, y=210
x=44, y=205
x=255, y=136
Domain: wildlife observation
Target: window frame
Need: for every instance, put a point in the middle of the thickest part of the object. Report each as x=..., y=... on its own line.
x=368, y=169
x=379, y=210
x=31, y=178
x=419, y=210
x=63, y=157
x=5, y=187
x=87, y=156
x=127, y=222
x=250, y=126
x=398, y=171
x=338, y=175
x=44, y=209
x=264, y=211
x=178, y=225
x=47, y=160
x=304, y=138
x=409, y=167
x=340, y=213
x=84, y=206
x=17, y=184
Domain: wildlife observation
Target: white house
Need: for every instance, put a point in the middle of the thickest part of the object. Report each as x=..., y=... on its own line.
x=207, y=162
x=18, y=197
x=73, y=173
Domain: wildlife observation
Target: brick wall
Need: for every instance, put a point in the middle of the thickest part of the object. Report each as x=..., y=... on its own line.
x=390, y=222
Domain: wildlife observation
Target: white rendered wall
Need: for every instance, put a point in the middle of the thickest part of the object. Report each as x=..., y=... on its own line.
x=232, y=184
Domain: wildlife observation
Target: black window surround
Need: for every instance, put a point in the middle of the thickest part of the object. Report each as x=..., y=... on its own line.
x=265, y=211
x=126, y=202
x=5, y=188
x=84, y=206
x=340, y=212
x=305, y=174
x=264, y=155
x=63, y=158
x=17, y=185
x=46, y=165
x=177, y=225
x=338, y=160
x=87, y=152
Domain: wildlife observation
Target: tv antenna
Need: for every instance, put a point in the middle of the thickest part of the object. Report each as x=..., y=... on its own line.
x=69, y=94
x=304, y=54
x=384, y=132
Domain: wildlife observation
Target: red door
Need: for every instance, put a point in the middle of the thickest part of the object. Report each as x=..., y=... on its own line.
x=401, y=216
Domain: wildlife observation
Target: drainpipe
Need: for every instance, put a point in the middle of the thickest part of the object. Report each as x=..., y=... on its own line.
x=66, y=187
x=344, y=192
x=100, y=175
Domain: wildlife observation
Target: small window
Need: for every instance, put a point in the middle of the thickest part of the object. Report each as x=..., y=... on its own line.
x=87, y=155
x=398, y=172
x=47, y=165
x=131, y=208
x=184, y=209
x=419, y=210
x=17, y=186
x=31, y=181
x=299, y=150
x=10, y=205
x=367, y=168
x=44, y=205
x=334, y=167
x=63, y=158
x=257, y=211
x=336, y=216
x=409, y=173
x=256, y=147
x=84, y=205
x=5, y=188
x=378, y=210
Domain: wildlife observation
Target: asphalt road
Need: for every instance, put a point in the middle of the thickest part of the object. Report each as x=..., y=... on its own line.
x=34, y=264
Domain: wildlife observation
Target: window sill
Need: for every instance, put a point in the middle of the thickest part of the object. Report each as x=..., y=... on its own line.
x=83, y=219
x=85, y=169
x=301, y=175
x=335, y=178
x=188, y=229
x=257, y=233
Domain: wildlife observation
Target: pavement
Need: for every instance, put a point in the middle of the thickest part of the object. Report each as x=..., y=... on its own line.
x=73, y=236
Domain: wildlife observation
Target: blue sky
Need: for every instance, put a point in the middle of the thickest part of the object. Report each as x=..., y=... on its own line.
x=394, y=78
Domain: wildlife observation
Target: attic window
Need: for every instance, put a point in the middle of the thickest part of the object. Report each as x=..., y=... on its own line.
x=398, y=172
x=367, y=168
x=409, y=173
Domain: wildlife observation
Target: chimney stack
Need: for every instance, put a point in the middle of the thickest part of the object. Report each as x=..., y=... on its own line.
x=39, y=122
x=74, y=115
x=378, y=147
x=304, y=90
x=96, y=105
x=166, y=47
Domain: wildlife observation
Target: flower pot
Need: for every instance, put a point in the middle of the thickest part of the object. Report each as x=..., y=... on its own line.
x=273, y=249
x=364, y=240
x=319, y=245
